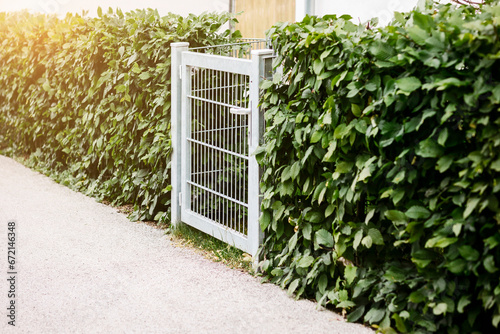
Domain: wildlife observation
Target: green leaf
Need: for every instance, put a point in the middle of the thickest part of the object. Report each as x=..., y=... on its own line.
x=456, y=266
x=408, y=84
x=462, y=303
x=429, y=149
x=444, y=84
x=329, y=210
x=395, y=274
x=489, y=264
x=344, y=167
x=376, y=236
x=468, y=253
x=305, y=261
x=307, y=231
x=418, y=212
x=444, y=163
x=265, y=220
x=471, y=205
x=440, y=242
x=417, y=34
x=316, y=137
x=356, y=314
x=365, y=173
x=399, y=177
x=400, y=323
x=293, y=286
x=340, y=131
x=277, y=272
x=440, y=308
x=381, y=50
x=416, y=297
x=350, y=273
x=325, y=238
x=495, y=165
x=356, y=110
x=423, y=21
x=318, y=66
x=374, y=315
x=295, y=170
x=496, y=320
x=357, y=239
x=369, y=216
x=314, y=216
x=396, y=216
x=121, y=88
x=367, y=241
x=46, y=86
x=265, y=84
x=322, y=283
x=293, y=242
x=286, y=173
x=443, y=136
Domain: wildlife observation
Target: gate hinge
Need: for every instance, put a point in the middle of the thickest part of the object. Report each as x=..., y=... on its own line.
x=180, y=199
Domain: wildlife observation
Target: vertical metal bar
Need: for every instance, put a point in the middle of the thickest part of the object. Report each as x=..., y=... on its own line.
x=176, y=125
x=203, y=198
x=185, y=145
x=233, y=148
x=194, y=192
x=205, y=135
x=255, y=234
x=224, y=163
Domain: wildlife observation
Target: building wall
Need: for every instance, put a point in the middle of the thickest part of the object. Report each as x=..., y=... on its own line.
x=260, y=15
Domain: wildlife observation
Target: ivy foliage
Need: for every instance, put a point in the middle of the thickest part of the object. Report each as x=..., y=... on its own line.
x=89, y=98
x=381, y=168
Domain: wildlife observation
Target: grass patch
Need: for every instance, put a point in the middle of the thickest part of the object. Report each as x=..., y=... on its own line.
x=210, y=247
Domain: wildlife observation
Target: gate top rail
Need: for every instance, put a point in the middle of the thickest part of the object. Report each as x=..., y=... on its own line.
x=240, y=49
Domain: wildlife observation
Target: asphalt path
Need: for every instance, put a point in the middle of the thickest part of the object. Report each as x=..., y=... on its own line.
x=82, y=267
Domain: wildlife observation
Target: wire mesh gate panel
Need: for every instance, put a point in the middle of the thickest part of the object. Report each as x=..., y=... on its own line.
x=220, y=128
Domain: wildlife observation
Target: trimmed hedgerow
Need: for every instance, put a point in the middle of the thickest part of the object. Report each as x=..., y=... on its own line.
x=88, y=99
x=381, y=168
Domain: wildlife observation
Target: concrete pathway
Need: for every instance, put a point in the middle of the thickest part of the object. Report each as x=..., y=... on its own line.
x=82, y=267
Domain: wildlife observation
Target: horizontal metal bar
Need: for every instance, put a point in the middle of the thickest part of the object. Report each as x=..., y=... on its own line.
x=220, y=129
x=218, y=194
x=212, y=101
x=240, y=111
x=216, y=230
x=242, y=85
x=218, y=148
x=208, y=172
x=220, y=63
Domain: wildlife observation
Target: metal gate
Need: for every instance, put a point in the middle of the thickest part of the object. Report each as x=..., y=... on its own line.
x=215, y=105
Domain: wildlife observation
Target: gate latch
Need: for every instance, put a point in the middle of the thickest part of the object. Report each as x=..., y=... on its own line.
x=240, y=111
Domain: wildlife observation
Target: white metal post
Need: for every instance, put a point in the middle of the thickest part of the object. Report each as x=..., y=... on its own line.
x=261, y=69
x=175, y=127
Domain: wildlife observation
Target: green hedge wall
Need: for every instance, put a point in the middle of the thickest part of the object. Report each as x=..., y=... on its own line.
x=88, y=99
x=381, y=168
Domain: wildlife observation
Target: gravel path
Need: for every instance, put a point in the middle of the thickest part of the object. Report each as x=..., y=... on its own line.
x=82, y=267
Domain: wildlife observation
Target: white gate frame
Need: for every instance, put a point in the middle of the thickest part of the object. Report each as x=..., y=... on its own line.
x=257, y=68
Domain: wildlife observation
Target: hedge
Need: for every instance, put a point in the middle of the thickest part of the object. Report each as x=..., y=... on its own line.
x=381, y=168
x=88, y=99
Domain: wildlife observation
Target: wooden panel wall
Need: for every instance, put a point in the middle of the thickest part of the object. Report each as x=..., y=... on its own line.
x=260, y=15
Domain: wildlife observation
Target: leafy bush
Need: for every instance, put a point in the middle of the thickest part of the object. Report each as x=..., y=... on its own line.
x=381, y=168
x=89, y=98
